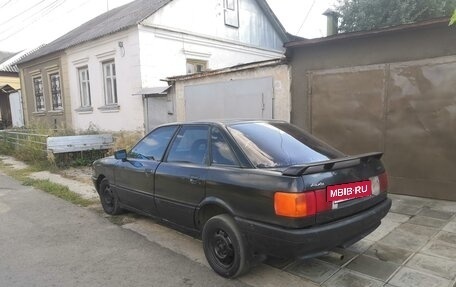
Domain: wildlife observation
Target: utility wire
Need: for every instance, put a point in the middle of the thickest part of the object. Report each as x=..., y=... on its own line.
x=307, y=16
x=21, y=13
x=20, y=22
x=6, y=3
x=74, y=8
x=44, y=13
x=30, y=18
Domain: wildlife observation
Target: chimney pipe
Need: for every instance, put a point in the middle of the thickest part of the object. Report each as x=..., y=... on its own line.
x=332, y=19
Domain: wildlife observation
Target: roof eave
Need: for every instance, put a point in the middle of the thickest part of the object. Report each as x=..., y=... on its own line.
x=274, y=20
x=232, y=69
x=165, y=2
x=366, y=34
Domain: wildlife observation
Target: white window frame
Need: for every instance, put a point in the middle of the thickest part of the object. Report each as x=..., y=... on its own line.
x=110, y=99
x=192, y=66
x=84, y=86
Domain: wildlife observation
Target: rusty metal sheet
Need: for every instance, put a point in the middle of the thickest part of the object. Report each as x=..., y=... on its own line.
x=347, y=108
x=421, y=120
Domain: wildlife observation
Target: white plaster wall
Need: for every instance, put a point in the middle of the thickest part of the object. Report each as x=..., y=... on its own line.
x=281, y=95
x=130, y=116
x=207, y=18
x=164, y=54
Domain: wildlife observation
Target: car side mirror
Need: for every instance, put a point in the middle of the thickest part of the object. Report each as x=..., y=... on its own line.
x=121, y=154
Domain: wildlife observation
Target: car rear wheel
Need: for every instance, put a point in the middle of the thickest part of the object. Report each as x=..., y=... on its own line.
x=108, y=198
x=225, y=247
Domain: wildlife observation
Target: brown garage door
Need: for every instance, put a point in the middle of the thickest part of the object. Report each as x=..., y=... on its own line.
x=347, y=108
x=407, y=110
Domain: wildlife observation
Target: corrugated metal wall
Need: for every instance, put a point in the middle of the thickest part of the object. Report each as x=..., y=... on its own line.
x=407, y=110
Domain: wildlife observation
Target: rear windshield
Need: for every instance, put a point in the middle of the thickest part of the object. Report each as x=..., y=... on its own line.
x=269, y=145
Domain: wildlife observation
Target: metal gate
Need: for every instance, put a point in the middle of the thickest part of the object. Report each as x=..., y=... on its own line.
x=246, y=99
x=407, y=110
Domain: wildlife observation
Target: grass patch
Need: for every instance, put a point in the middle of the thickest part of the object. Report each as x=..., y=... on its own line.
x=55, y=189
x=60, y=191
x=18, y=174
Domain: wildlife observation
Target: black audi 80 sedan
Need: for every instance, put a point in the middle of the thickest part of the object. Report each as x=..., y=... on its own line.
x=250, y=189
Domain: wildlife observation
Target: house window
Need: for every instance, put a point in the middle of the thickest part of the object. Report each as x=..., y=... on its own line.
x=231, y=13
x=110, y=85
x=229, y=4
x=38, y=91
x=195, y=66
x=84, y=87
x=56, y=91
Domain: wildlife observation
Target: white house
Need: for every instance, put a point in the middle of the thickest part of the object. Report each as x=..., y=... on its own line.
x=110, y=64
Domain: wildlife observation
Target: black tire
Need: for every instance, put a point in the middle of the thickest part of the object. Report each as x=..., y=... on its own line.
x=108, y=198
x=225, y=247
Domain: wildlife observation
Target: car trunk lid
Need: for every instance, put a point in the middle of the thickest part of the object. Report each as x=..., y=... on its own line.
x=343, y=186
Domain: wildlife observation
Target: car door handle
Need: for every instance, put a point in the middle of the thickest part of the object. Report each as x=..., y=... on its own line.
x=195, y=180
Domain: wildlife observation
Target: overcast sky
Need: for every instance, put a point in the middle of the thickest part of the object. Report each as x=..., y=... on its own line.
x=26, y=24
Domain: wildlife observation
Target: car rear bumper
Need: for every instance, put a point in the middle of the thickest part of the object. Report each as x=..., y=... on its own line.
x=283, y=242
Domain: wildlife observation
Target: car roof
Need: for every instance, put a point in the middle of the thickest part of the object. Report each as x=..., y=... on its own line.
x=226, y=122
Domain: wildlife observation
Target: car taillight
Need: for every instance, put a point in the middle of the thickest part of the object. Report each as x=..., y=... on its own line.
x=294, y=204
x=379, y=183
x=383, y=178
x=322, y=203
x=300, y=204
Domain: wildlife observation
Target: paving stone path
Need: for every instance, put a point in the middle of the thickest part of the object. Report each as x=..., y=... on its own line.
x=414, y=246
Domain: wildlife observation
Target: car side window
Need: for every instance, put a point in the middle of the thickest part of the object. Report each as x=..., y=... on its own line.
x=190, y=145
x=221, y=152
x=153, y=146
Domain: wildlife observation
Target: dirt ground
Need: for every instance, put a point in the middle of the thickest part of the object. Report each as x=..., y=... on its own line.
x=82, y=174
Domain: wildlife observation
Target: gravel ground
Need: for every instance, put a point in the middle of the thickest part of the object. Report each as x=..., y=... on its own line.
x=82, y=174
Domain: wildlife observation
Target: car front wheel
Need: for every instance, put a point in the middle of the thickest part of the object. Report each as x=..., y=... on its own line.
x=225, y=247
x=108, y=198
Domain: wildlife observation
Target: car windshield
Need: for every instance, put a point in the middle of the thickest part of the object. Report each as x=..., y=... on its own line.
x=270, y=145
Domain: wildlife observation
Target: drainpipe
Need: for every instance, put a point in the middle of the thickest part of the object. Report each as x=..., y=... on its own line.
x=332, y=18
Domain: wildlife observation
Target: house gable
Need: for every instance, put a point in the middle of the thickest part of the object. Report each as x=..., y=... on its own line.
x=250, y=23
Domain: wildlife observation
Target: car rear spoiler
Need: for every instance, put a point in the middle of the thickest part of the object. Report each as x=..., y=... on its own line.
x=332, y=164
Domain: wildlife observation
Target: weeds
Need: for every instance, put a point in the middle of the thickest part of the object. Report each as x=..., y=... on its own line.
x=29, y=145
x=123, y=219
x=60, y=191
x=31, y=153
x=55, y=189
x=126, y=140
x=76, y=159
x=6, y=148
